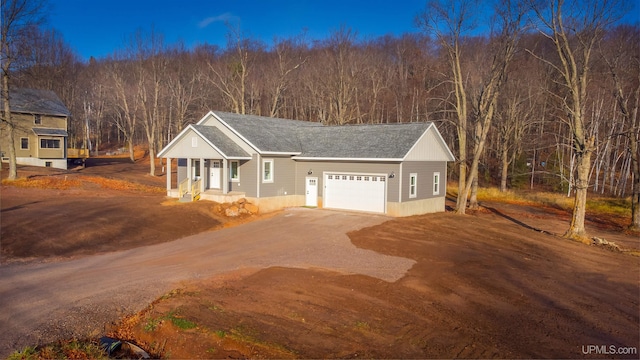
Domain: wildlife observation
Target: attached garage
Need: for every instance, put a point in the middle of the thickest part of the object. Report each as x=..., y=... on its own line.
x=358, y=192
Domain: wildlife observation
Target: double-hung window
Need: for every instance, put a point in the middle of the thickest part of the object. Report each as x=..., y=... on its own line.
x=24, y=143
x=267, y=170
x=436, y=183
x=234, y=170
x=413, y=185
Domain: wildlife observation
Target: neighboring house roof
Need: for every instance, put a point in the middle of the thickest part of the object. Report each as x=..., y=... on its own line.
x=49, y=132
x=265, y=134
x=382, y=141
x=35, y=101
x=225, y=145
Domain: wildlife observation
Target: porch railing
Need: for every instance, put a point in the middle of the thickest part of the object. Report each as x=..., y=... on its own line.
x=195, y=190
x=183, y=188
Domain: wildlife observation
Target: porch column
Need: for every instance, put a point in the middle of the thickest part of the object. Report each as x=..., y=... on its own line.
x=225, y=177
x=202, y=175
x=168, y=176
x=189, y=172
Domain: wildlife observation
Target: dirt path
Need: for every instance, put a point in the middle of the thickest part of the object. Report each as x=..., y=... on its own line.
x=42, y=302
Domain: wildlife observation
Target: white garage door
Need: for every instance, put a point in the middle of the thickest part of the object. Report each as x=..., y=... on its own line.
x=355, y=192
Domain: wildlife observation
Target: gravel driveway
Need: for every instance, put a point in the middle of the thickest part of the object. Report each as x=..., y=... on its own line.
x=45, y=301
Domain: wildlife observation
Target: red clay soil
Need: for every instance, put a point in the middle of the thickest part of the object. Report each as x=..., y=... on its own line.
x=497, y=283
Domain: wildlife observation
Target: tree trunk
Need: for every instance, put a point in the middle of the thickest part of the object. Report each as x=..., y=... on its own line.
x=9, y=127
x=577, y=229
x=635, y=198
x=505, y=167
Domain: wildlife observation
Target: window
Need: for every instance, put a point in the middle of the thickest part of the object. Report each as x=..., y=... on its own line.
x=37, y=119
x=413, y=185
x=194, y=141
x=436, y=183
x=50, y=143
x=267, y=170
x=196, y=169
x=24, y=143
x=234, y=170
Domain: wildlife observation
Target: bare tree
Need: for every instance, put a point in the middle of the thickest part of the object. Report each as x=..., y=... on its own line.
x=574, y=28
x=623, y=62
x=230, y=73
x=16, y=18
x=449, y=21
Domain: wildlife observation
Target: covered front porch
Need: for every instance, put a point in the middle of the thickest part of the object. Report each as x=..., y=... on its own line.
x=200, y=178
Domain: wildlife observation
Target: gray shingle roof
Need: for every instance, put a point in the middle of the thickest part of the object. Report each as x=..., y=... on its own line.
x=380, y=141
x=34, y=101
x=221, y=141
x=267, y=134
x=49, y=132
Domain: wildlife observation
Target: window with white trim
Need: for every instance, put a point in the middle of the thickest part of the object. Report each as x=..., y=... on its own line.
x=267, y=170
x=24, y=143
x=194, y=141
x=234, y=170
x=413, y=185
x=436, y=183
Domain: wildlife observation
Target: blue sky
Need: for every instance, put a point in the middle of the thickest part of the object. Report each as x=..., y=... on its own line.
x=98, y=27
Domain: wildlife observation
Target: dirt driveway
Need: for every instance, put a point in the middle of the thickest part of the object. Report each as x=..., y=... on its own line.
x=45, y=301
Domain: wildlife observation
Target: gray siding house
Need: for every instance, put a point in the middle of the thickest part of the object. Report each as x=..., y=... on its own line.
x=393, y=169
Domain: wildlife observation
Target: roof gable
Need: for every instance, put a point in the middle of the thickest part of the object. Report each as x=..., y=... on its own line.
x=35, y=101
x=209, y=142
x=430, y=147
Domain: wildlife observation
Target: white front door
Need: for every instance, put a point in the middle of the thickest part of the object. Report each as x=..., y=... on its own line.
x=214, y=174
x=311, y=188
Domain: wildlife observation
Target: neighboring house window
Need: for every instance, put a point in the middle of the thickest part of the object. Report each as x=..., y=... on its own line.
x=37, y=119
x=436, y=183
x=413, y=185
x=24, y=143
x=234, y=170
x=50, y=143
x=267, y=170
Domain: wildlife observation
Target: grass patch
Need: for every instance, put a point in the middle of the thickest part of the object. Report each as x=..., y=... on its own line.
x=69, y=349
x=179, y=322
x=595, y=204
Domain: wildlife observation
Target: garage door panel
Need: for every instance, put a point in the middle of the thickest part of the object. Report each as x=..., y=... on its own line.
x=363, y=192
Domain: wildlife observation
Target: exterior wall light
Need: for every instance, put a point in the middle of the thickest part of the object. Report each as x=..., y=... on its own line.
x=392, y=175
x=309, y=172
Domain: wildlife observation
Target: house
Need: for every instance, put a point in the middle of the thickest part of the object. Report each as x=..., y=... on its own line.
x=394, y=169
x=40, y=133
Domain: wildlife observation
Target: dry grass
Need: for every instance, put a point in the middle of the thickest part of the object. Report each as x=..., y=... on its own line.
x=114, y=184
x=595, y=204
x=44, y=182
x=66, y=182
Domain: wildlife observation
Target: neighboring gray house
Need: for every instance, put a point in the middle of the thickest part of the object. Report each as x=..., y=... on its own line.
x=394, y=169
